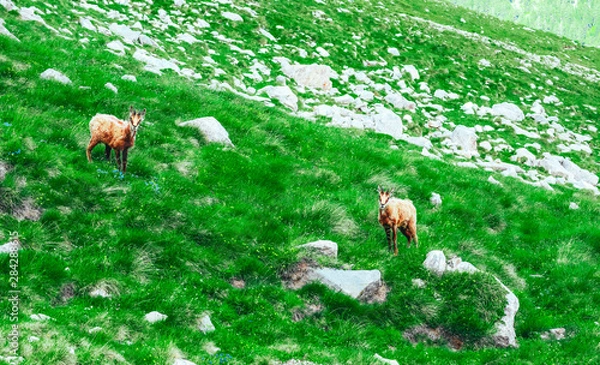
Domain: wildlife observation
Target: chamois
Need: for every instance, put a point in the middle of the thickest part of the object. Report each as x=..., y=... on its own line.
x=115, y=134
x=397, y=214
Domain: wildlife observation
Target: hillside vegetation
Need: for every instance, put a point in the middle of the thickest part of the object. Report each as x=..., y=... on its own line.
x=196, y=228
x=576, y=20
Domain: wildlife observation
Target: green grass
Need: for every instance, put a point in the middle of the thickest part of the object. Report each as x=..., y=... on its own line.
x=189, y=217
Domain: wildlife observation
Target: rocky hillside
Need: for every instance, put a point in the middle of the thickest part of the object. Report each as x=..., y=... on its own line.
x=298, y=112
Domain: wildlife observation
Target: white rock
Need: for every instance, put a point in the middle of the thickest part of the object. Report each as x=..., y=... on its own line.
x=573, y=206
x=393, y=51
x=486, y=146
x=412, y=70
x=40, y=317
x=505, y=335
x=385, y=361
x=187, y=38
x=463, y=267
x=552, y=99
x=344, y=99
x=100, y=292
x=131, y=78
x=8, y=5
x=435, y=262
x=94, y=330
x=314, y=76
x=555, y=333
x=509, y=111
x=419, y=283
x=178, y=3
x=116, y=47
x=466, y=139
x=211, y=129
x=322, y=52
x=53, y=75
x=154, y=317
x=205, y=324
x=422, y=142
x=86, y=23
x=200, y=23
x=153, y=63
x=326, y=247
x=444, y=95
x=435, y=199
x=6, y=32
x=144, y=40
x=284, y=94
x=111, y=87
x=387, y=122
x=33, y=339
x=400, y=102
x=267, y=34
x=349, y=282
x=129, y=35
x=523, y=155
x=232, y=16
x=484, y=63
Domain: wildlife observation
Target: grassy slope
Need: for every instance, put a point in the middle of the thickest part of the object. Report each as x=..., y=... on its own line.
x=186, y=219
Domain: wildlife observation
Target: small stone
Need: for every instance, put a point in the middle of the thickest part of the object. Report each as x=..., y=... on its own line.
x=154, y=317
x=40, y=317
x=53, y=75
x=419, y=283
x=435, y=199
x=129, y=78
x=573, y=206
x=111, y=87
x=327, y=248
x=205, y=324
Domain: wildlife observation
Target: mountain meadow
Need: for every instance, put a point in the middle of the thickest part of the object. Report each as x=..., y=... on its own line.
x=269, y=125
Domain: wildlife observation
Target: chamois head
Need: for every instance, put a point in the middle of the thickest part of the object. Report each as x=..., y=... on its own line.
x=136, y=118
x=384, y=196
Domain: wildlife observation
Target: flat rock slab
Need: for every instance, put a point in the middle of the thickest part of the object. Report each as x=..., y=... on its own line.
x=211, y=129
x=349, y=282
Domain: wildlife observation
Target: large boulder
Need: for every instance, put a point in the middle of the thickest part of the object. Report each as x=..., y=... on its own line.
x=435, y=262
x=465, y=140
x=283, y=94
x=509, y=111
x=387, y=122
x=211, y=129
x=313, y=76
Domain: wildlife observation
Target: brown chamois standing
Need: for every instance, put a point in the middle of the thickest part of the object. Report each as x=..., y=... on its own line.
x=116, y=134
x=397, y=214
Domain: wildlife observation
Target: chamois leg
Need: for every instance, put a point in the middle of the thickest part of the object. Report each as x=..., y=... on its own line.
x=406, y=232
x=388, y=235
x=395, y=236
x=118, y=156
x=125, y=153
x=412, y=231
x=107, y=152
x=91, y=145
